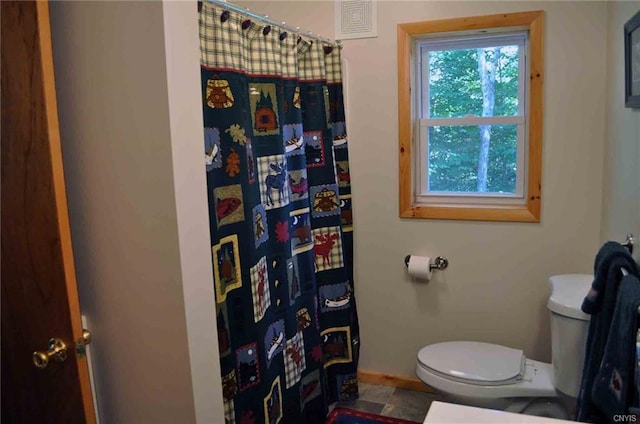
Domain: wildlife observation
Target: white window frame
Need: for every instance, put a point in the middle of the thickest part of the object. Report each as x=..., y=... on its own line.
x=421, y=47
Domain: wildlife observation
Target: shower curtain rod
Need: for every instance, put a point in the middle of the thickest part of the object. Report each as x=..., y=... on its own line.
x=266, y=19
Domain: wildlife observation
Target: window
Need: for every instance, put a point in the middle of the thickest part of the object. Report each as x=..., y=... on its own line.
x=470, y=131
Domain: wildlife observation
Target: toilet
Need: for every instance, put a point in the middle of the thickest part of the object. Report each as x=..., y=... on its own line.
x=498, y=377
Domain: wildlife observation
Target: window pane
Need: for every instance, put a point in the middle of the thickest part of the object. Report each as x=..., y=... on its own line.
x=457, y=163
x=477, y=82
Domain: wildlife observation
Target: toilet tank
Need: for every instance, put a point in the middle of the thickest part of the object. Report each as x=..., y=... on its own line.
x=569, y=327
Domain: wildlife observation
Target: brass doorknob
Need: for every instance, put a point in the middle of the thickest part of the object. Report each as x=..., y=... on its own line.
x=57, y=351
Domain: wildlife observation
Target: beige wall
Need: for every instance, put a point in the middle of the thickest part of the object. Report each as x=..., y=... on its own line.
x=621, y=199
x=495, y=289
x=131, y=126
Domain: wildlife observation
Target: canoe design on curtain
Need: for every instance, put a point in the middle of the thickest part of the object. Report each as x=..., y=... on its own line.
x=279, y=190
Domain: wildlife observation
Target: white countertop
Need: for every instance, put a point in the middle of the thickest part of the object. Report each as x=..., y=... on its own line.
x=451, y=413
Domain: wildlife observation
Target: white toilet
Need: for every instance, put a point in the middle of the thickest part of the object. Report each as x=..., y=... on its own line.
x=497, y=377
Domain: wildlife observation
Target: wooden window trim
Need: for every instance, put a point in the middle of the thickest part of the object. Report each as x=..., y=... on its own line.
x=529, y=212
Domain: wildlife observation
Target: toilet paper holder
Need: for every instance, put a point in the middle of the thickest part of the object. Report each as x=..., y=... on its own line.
x=439, y=263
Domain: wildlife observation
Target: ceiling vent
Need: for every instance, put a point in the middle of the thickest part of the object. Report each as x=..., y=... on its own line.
x=356, y=19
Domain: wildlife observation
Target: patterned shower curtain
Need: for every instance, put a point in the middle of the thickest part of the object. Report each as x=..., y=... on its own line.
x=280, y=220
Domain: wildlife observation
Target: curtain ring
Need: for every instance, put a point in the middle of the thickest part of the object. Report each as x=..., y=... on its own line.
x=224, y=17
x=246, y=23
x=299, y=40
x=266, y=30
x=283, y=35
x=327, y=49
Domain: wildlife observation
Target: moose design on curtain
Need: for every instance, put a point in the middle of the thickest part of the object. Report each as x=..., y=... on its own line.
x=280, y=220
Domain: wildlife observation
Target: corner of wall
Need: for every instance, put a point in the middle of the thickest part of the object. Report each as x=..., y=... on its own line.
x=185, y=114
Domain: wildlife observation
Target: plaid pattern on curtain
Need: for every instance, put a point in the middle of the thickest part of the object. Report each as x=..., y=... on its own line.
x=280, y=220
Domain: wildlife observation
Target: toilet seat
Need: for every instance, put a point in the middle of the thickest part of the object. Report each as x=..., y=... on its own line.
x=478, y=363
x=478, y=379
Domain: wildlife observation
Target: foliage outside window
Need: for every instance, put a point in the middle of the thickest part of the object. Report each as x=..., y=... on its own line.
x=470, y=130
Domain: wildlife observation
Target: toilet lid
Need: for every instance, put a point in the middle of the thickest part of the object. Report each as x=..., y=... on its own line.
x=473, y=362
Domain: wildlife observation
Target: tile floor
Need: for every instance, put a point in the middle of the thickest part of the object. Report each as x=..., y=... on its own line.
x=392, y=402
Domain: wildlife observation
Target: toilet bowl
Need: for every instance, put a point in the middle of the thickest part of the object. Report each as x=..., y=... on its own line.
x=498, y=377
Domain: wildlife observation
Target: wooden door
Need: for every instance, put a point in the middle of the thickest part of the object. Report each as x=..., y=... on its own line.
x=39, y=293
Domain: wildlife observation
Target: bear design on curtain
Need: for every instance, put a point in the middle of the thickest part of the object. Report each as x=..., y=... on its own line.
x=280, y=220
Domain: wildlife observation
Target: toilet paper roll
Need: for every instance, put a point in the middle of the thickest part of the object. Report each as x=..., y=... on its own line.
x=420, y=267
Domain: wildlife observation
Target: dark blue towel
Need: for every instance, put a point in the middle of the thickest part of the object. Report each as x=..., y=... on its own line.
x=613, y=387
x=609, y=260
x=600, y=303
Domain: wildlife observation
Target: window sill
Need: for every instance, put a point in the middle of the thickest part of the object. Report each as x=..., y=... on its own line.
x=505, y=213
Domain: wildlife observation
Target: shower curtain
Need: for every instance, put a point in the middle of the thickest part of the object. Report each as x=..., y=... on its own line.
x=281, y=231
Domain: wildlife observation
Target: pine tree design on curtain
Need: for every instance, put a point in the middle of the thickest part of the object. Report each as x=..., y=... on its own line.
x=279, y=192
